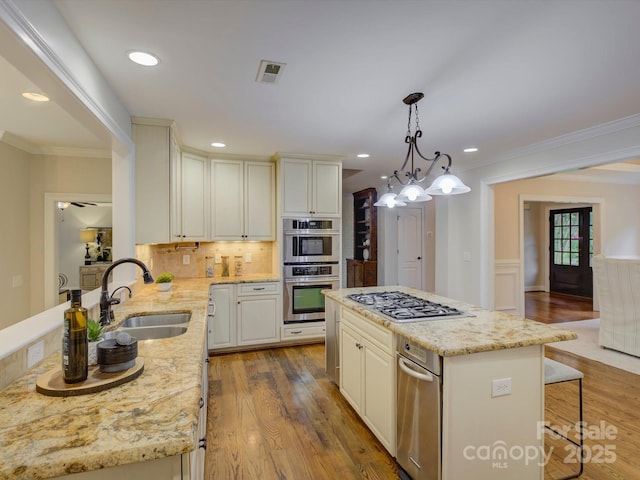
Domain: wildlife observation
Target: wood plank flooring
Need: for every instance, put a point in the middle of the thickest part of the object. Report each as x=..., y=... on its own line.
x=275, y=414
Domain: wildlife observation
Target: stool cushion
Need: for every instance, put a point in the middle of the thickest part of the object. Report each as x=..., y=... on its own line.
x=555, y=372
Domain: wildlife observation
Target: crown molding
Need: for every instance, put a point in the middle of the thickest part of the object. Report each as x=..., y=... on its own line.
x=34, y=149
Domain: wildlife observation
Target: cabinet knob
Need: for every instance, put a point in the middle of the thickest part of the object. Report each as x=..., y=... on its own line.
x=202, y=443
x=419, y=258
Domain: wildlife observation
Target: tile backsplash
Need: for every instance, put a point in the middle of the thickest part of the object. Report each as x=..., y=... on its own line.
x=170, y=258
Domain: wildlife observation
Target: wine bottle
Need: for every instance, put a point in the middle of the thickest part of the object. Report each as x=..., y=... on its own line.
x=75, y=359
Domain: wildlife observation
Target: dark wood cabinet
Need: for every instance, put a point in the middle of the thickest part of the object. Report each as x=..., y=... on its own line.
x=362, y=270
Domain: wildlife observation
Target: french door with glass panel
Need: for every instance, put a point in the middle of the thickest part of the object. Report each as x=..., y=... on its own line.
x=571, y=249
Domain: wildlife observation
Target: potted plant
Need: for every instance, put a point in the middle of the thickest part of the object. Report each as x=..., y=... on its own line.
x=94, y=336
x=164, y=281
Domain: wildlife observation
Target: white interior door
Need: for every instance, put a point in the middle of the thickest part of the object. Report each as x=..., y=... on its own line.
x=410, y=249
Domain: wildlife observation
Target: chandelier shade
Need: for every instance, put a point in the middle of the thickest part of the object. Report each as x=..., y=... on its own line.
x=446, y=184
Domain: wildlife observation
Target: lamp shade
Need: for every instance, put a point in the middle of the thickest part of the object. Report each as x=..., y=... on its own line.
x=447, y=184
x=88, y=235
x=390, y=200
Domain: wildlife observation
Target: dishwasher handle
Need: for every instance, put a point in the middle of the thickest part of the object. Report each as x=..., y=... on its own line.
x=405, y=367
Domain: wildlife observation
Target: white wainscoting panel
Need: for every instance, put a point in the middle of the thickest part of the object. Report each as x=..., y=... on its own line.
x=507, y=287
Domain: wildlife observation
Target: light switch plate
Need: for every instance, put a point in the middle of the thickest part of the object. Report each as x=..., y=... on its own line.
x=186, y=259
x=218, y=258
x=247, y=258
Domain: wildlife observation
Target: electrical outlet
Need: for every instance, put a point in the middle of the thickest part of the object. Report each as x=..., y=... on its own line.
x=35, y=353
x=186, y=259
x=247, y=258
x=218, y=258
x=501, y=386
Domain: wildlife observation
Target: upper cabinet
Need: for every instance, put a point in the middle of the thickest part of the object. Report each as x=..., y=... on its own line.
x=171, y=188
x=242, y=200
x=156, y=151
x=311, y=187
x=190, y=220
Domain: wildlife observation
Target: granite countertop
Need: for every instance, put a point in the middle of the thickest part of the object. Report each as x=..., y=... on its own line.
x=151, y=417
x=253, y=278
x=486, y=331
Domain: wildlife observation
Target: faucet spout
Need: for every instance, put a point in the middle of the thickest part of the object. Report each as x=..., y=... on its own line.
x=106, y=314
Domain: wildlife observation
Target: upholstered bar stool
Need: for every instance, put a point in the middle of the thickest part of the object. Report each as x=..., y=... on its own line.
x=556, y=372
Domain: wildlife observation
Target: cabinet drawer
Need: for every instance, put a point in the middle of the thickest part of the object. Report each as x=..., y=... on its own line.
x=312, y=331
x=376, y=334
x=268, y=288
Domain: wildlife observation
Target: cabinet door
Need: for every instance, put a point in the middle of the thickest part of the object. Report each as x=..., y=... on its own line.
x=379, y=405
x=350, y=367
x=259, y=201
x=227, y=199
x=296, y=187
x=258, y=320
x=221, y=327
x=193, y=198
x=327, y=189
x=154, y=145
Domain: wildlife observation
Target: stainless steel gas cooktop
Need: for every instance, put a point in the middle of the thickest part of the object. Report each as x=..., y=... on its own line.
x=402, y=307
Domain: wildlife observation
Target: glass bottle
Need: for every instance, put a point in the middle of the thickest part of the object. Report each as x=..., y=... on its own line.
x=75, y=361
x=225, y=266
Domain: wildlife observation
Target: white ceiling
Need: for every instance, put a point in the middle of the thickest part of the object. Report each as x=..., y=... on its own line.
x=499, y=75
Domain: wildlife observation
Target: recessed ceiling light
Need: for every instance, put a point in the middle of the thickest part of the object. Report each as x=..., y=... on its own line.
x=363, y=155
x=384, y=177
x=143, y=58
x=470, y=150
x=218, y=145
x=36, y=97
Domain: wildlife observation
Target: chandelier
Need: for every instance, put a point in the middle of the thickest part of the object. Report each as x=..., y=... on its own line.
x=445, y=184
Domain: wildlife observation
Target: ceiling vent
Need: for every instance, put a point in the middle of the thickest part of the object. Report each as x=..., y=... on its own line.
x=269, y=72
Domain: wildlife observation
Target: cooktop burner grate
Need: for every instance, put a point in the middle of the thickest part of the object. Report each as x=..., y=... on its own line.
x=404, y=307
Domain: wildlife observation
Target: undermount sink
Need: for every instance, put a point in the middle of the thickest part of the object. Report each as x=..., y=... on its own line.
x=149, y=333
x=153, y=325
x=156, y=319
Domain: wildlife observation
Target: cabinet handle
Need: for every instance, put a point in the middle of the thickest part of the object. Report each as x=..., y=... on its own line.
x=202, y=443
x=295, y=332
x=255, y=289
x=201, y=402
x=359, y=346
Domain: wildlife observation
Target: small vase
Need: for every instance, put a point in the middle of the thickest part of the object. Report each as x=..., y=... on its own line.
x=93, y=352
x=163, y=287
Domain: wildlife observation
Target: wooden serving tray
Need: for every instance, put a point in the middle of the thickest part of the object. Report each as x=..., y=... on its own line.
x=52, y=384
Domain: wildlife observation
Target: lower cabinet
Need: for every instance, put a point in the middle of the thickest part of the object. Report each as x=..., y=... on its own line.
x=245, y=314
x=368, y=375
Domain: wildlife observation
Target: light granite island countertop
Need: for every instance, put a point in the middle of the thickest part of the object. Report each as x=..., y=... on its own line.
x=152, y=417
x=485, y=331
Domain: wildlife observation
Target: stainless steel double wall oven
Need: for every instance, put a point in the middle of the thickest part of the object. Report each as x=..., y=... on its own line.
x=311, y=264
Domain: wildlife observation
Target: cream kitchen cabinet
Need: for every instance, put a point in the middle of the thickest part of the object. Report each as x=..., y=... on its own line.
x=368, y=375
x=245, y=314
x=222, y=321
x=259, y=313
x=310, y=187
x=243, y=200
x=171, y=189
x=191, y=199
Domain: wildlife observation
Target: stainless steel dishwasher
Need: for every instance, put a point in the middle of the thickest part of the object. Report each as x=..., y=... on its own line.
x=419, y=411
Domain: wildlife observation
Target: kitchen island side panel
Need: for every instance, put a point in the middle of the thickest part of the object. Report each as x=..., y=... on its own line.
x=488, y=437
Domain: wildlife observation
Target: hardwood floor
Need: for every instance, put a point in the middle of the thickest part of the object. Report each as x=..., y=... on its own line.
x=548, y=307
x=275, y=414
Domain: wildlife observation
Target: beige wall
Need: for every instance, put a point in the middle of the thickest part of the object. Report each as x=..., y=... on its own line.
x=53, y=174
x=14, y=235
x=620, y=223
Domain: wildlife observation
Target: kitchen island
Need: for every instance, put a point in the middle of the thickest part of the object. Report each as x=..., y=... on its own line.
x=150, y=422
x=483, y=433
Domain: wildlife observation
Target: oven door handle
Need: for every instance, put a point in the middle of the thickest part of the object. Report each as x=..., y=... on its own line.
x=405, y=367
